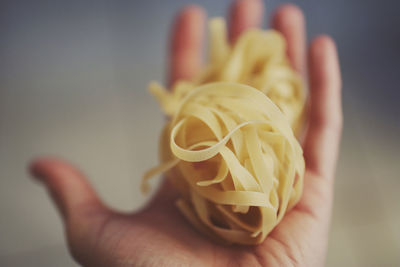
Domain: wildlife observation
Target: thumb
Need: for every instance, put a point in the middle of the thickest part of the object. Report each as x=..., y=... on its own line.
x=74, y=197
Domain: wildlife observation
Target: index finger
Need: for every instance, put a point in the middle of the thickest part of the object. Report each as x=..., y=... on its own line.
x=186, y=44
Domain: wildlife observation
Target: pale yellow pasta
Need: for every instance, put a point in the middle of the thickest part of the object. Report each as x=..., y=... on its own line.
x=257, y=59
x=232, y=154
x=229, y=146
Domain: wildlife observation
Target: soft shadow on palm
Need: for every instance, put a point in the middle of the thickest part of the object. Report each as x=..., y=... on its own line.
x=159, y=235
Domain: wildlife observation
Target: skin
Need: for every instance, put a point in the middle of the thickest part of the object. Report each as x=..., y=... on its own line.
x=158, y=235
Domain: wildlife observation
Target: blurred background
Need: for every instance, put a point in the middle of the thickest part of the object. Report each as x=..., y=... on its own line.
x=73, y=83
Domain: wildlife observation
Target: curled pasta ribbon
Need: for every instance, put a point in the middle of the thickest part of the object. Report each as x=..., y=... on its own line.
x=232, y=154
x=257, y=59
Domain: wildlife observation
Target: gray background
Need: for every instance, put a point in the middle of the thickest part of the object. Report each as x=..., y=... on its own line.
x=73, y=79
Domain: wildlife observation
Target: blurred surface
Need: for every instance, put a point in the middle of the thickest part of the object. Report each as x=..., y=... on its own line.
x=73, y=79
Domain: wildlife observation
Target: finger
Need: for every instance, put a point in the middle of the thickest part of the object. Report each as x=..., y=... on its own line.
x=244, y=14
x=186, y=43
x=289, y=20
x=72, y=194
x=323, y=137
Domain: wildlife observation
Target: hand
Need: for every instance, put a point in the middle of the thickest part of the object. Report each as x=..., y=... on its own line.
x=158, y=235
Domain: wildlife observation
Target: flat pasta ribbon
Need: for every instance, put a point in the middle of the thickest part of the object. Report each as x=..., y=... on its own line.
x=232, y=154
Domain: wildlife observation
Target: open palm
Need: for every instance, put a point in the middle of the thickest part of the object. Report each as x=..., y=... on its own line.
x=159, y=235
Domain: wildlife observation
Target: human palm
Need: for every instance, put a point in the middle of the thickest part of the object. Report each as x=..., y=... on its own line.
x=159, y=235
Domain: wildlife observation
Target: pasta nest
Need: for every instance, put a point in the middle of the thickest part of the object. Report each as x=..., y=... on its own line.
x=229, y=146
x=233, y=156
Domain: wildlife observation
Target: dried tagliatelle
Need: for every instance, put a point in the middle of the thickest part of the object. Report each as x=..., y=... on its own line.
x=233, y=156
x=257, y=59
